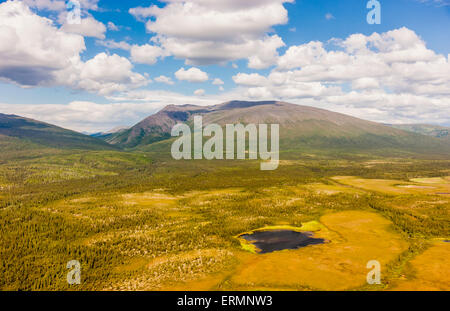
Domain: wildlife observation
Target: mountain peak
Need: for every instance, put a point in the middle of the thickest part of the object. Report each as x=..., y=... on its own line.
x=245, y=104
x=302, y=127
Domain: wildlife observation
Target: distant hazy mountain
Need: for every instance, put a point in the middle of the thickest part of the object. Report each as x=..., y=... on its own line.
x=109, y=134
x=301, y=128
x=425, y=129
x=14, y=128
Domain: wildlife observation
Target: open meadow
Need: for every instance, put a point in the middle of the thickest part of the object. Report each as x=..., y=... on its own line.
x=137, y=223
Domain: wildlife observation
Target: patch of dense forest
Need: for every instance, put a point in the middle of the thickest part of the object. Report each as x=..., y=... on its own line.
x=55, y=207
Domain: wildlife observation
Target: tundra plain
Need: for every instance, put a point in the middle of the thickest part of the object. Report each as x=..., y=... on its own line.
x=136, y=223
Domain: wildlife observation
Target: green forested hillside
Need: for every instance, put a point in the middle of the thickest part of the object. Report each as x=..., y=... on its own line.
x=425, y=129
x=40, y=133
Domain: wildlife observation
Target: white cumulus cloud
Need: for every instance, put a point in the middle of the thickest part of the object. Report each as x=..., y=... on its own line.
x=164, y=79
x=218, y=81
x=31, y=55
x=210, y=32
x=114, y=45
x=106, y=74
x=146, y=54
x=253, y=79
x=191, y=75
x=42, y=54
x=397, y=60
x=199, y=92
x=112, y=26
x=89, y=27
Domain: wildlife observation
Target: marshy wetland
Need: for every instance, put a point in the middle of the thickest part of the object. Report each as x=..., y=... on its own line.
x=177, y=226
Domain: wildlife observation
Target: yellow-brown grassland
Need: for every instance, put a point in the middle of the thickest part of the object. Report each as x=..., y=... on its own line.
x=177, y=226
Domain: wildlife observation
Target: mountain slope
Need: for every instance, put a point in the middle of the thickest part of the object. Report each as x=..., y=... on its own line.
x=425, y=129
x=109, y=135
x=156, y=127
x=40, y=133
x=301, y=128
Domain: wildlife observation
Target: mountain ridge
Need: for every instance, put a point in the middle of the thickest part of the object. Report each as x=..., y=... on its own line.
x=302, y=128
x=299, y=125
x=48, y=135
x=437, y=131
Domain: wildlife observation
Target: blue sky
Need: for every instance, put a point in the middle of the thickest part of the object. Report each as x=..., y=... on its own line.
x=260, y=50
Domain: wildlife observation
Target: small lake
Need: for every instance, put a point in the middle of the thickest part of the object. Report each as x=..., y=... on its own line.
x=277, y=240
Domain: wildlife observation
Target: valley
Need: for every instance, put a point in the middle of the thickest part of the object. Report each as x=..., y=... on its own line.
x=138, y=220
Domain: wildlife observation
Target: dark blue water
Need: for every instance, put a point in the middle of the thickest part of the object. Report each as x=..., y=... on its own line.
x=277, y=240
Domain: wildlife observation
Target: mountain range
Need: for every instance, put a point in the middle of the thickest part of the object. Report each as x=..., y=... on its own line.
x=108, y=134
x=425, y=129
x=302, y=129
x=24, y=130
